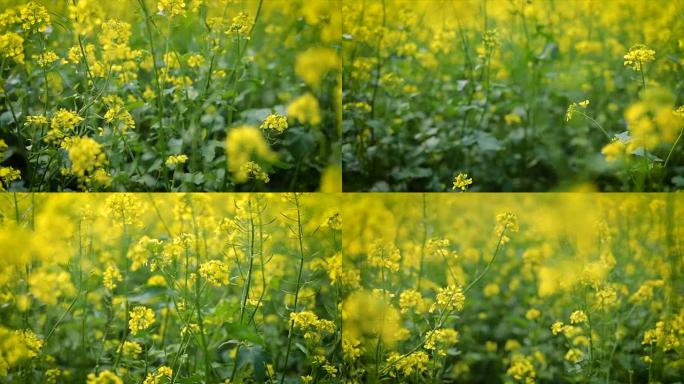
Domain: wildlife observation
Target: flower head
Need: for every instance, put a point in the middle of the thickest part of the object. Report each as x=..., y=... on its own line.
x=637, y=56
x=140, y=318
x=215, y=272
x=462, y=181
x=275, y=122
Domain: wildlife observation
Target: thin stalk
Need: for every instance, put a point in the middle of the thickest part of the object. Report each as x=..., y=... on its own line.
x=595, y=123
x=667, y=159
x=442, y=317
x=160, y=103
x=245, y=291
x=299, y=279
x=422, y=247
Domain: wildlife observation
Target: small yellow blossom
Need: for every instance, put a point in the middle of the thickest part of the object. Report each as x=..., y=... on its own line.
x=215, y=272
x=173, y=160
x=462, y=181
x=578, y=317
x=104, y=377
x=532, y=313
x=140, y=318
x=275, y=122
x=639, y=55
x=110, y=277
x=242, y=145
x=171, y=8
x=305, y=109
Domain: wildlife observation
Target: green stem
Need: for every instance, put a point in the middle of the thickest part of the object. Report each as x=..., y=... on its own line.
x=667, y=159
x=299, y=279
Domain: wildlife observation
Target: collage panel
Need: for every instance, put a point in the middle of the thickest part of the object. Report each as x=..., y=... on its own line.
x=512, y=288
x=169, y=288
x=170, y=95
x=513, y=95
x=261, y=191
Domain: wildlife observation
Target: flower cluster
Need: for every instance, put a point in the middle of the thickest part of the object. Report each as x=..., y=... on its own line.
x=215, y=272
x=639, y=55
x=140, y=318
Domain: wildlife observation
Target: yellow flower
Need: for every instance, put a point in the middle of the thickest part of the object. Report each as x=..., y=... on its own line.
x=311, y=325
x=254, y=171
x=512, y=118
x=522, y=369
x=174, y=160
x=195, y=61
x=606, y=297
x=557, y=327
x=124, y=209
x=491, y=289
x=638, y=55
x=411, y=299
x=242, y=144
x=314, y=63
x=46, y=58
x=32, y=342
x=506, y=221
x=86, y=158
x=171, y=8
x=140, y=318
x=35, y=121
x=241, y=24
x=360, y=312
x=574, y=355
x=145, y=249
x=104, y=377
x=156, y=281
x=120, y=118
x=275, y=122
x=7, y=176
x=578, y=317
x=532, y=313
x=407, y=366
x=131, y=349
x=615, y=150
x=110, y=277
x=462, y=181
x=215, y=272
x=162, y=375
x=448, y=299
x=305, y=109
x=650, y=120
x=440, y=340
x=48, y=286
x=62, y=123
x=34, y=17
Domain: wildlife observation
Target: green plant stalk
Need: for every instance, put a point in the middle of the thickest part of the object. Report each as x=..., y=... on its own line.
x=422, y=247
x=208, y=373
x=123, y=246
x=262, y=262
x=438, y=323
x=667, y=159
x=591, y=339
x=378, y=67
x=595, y=123
x=160, y=102
x=245, y=291
x=299, y=279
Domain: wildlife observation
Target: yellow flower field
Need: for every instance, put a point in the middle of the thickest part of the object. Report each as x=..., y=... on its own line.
x=520, y=95
x=169, y=288
x=513, y=288
x=170, y=95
